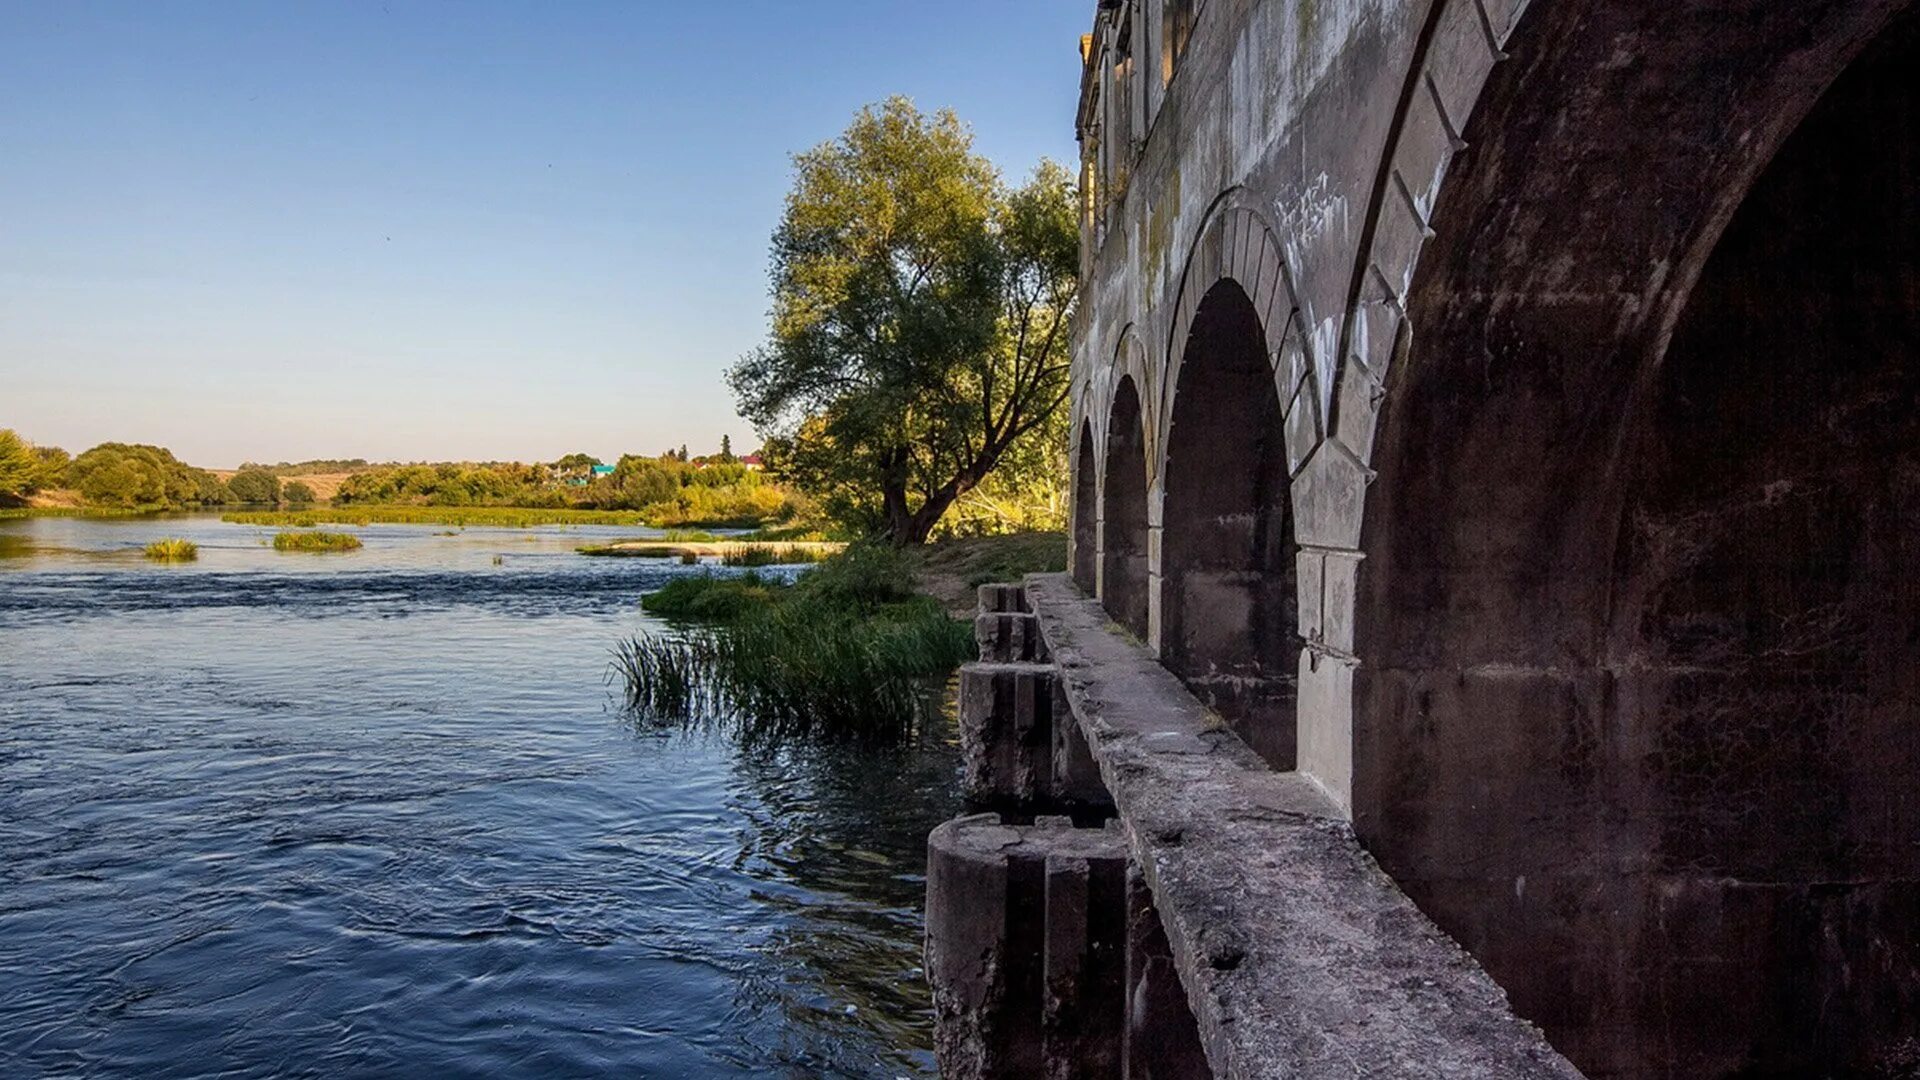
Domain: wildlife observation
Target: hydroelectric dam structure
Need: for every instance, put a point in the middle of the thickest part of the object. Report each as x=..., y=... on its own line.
x=1492, y=641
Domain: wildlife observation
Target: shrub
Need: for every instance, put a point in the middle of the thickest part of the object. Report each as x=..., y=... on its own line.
x=297, y=493
x=173, y=549
x=316, y=541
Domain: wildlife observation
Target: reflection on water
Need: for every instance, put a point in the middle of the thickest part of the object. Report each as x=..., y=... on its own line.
x=295, y=815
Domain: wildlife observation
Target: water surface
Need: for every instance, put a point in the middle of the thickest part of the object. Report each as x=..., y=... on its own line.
x=276, y=814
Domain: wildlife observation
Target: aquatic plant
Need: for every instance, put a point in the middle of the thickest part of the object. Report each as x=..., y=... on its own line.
x=846, y=652
x=316, y=541
x=173, y=549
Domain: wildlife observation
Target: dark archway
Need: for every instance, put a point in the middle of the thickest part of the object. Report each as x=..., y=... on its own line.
x=1638, y=716
x=1229, y=617
x=1123, y=547
x=1086, y=514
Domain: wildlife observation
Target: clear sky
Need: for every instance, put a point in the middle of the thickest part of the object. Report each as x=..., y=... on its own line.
x=402, y=229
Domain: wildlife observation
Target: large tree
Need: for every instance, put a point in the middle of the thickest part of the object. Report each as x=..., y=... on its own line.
x=921, y=323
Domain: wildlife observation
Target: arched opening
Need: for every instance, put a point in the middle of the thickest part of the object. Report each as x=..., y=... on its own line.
x=1086, y=515
x=1638, y=712
x=1123, y=549
x=1228, y=614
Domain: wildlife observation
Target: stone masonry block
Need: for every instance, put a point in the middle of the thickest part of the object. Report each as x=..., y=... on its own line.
x=1003, y=598
x=1027, y=931
x=1006, y=733
x=1009, y=637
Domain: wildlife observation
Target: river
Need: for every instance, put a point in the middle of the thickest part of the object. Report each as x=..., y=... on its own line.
x=378, y=813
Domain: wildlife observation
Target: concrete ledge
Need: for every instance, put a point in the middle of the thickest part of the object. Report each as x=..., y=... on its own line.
x=1299, y=956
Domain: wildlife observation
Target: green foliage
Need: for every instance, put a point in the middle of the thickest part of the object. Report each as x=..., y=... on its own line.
x=26, y=468
x=256, y=486
x=316, y=541
x=19, y=466
x=297, y=494
x=846, y=652
x=147, y=477
x=922, y=318
x=173, y=550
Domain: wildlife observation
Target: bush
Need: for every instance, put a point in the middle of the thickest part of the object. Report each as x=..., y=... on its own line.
x=297, y=494
x=316, y=541
x=173, y=549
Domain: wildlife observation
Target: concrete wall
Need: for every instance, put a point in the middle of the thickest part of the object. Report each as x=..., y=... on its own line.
x=1598, y=611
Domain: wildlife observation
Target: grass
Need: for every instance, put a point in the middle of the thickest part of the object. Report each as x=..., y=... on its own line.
x=768, y=555
x=173, y=549
x=316, y=541
x=954, y=570
x=849, y=651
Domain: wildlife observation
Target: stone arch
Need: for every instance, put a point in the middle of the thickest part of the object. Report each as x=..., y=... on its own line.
x=1086, y=513
x=1235, y=244
x=1638, y=628
x=1228, y=612
x=1123, y=506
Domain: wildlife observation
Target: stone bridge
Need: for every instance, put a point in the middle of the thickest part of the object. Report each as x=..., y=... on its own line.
x=1503, y=418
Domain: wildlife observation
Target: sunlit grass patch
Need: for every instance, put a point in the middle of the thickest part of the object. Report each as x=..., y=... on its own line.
x=173, y=549
x=768, y=555
x=316, y=541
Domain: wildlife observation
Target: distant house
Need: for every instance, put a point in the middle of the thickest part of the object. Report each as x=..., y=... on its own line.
x=602, y=470
x=753, y=463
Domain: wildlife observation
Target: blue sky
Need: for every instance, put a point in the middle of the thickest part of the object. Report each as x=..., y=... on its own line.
x=422, y=230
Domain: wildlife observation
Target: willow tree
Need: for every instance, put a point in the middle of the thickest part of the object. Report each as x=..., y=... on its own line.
x=921, y=320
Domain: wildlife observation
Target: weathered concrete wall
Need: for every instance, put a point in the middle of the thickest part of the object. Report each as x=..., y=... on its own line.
x=1593, y=390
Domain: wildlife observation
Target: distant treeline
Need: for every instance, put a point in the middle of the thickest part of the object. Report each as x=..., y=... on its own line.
x=310, y=468
x=668, y=490
x=132, y=476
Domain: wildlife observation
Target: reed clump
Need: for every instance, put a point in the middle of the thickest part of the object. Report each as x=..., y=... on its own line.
x=173, y=549
x=849, y=651
x=768, y=555
x=316, y=541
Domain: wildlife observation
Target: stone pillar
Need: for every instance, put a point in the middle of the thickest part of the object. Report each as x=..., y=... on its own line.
x=1006, y=734
x=1026, y=946
x=1085, y=1009
x=1162, y=1037
x=1011, y=598
x=1009, y=637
